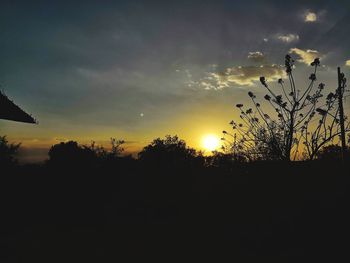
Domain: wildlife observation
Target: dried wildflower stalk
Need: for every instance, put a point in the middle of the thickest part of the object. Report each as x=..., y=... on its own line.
x=299, y=121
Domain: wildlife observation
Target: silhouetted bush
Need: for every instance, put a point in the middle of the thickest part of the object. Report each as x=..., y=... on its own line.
x=224, y=160
x=332, y=153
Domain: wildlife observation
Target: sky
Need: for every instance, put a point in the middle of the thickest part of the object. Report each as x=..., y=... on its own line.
x=138, y=70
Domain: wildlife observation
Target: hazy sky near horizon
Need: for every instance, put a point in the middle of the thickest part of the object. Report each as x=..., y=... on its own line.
x=137, y=70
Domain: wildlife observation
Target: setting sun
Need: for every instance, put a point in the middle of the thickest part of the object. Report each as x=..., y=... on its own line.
x=211, y=142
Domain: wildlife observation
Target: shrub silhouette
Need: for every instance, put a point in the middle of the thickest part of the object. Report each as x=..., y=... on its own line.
x=8, y=152
x=332, y=153
x=224, y=160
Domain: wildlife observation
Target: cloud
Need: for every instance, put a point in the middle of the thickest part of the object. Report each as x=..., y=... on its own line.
x=310, y=17
x=306, y=56
x=256, y=56
x=288, y=38
x=347, y=63
x=241, y=75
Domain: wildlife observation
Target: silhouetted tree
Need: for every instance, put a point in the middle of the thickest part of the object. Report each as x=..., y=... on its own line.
x=103, y=154
x=169, y=151
x=8, y=151
x=70, y=153
x=299, y=120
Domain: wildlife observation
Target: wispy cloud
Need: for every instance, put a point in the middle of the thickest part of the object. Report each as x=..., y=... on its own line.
x=288, y=38
x=256, y=56
x=241, y=76
x=306, y=56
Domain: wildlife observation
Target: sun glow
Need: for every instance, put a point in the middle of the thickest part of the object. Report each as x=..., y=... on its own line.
x=211, y=142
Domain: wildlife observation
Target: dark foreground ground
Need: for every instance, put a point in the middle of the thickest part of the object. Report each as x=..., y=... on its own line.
x=99, y=215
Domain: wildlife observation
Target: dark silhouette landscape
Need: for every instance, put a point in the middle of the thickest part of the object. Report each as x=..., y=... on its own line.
x=250, y=100
x=90, y=204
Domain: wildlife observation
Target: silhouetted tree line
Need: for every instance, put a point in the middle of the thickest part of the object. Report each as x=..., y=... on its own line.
x=86, y=193
x=89, y=156
x=89, y=193
x=170, y=152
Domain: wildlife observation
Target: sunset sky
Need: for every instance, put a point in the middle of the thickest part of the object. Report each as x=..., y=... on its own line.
x=137, y=70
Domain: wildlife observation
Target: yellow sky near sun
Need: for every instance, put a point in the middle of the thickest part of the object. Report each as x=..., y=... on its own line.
x=191, y=125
